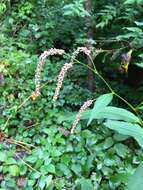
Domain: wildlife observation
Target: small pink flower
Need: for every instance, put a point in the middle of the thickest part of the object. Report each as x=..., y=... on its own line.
x=78, y=116
x=78, y=50
x=61, y=76
x=43, y=56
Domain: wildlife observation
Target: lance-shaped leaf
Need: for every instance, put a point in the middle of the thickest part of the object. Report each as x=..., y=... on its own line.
x=115, y=113
x=136, y=180
x=99, y=105
x=130, y=129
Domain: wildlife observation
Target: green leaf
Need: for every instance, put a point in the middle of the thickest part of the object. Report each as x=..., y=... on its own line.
x=139, y=64
x=42, y=182
x=136, y=180
x=130, y=2
x=109, y=112
x=14, y=170
x=114, y=113
x=133, y=1
x=64, y=169
x=86, y=184
x=125, y=128
x=135, y=30
x=76, y=168
x=120, y=177
x=108, y=143
x=10, y=183
x=120, y=137
x=10, y=161
x=49, y=180
x=139, y=23
x=31, y=159
x=121, y=149
x=35, y=175
x=100, y=103
x=3, y=156
x=51, y=168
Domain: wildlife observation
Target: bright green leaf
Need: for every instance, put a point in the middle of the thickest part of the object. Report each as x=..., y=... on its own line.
x=115, y=113
x=100, y=103
x=125, y=128
x=50, y=168
x=48, y=180
x=76, y=168
x=135, y=182
x=14, y=170
x=42, y=182
x=121, y=149
x=108, y=143
x=86, y=184
x=3, y=156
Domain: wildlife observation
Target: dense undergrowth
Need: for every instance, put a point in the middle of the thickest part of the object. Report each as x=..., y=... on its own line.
x=92, y=158
x=36, y=150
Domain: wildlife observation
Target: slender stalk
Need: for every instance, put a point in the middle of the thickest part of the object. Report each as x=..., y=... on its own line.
x=22, y=104
x=19, y=144
x=33, y=169
x=100, y=76
x=112, y=91
x=23, y=143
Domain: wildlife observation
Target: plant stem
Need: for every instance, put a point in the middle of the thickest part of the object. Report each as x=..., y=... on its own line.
x=33, y=169
x=112, y=91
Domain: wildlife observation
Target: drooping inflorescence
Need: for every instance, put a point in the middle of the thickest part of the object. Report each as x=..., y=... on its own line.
x=61, y=76
x=79, y=50
x=66, y=67
x=43, y=56
x=78, y=116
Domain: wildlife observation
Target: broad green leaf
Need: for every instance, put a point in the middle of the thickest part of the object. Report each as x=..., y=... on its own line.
x=64, y=169
x=125, y=128
x=3, y=156
x=120, y=137
x=86, y=184
x=115, y=113
x=141, y=107
x=10, y=161
x=14, y=170
x=10, y=183
x=31, y=159
x=49, y=180
x=134, y=30
x=100, y=103
x=42, y=182
x=108, y=112
x=120, y=177
x=51, y=168
x=130, y=1
x=108, y=143
x=133, y=1
x=121, y=149
x=35, y=175
x=76, y=168
x=139, y=23
x=140, y=56
x=135, y=182
x=139, y=64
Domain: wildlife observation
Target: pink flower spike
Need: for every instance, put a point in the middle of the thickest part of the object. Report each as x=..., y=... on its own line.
x=78, y=116
x=79, y=50
x=43, y=56
x=61, y=76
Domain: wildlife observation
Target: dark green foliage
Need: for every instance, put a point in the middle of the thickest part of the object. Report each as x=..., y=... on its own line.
x=95, y=157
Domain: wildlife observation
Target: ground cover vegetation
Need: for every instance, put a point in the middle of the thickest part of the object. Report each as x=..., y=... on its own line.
x=90, y=135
